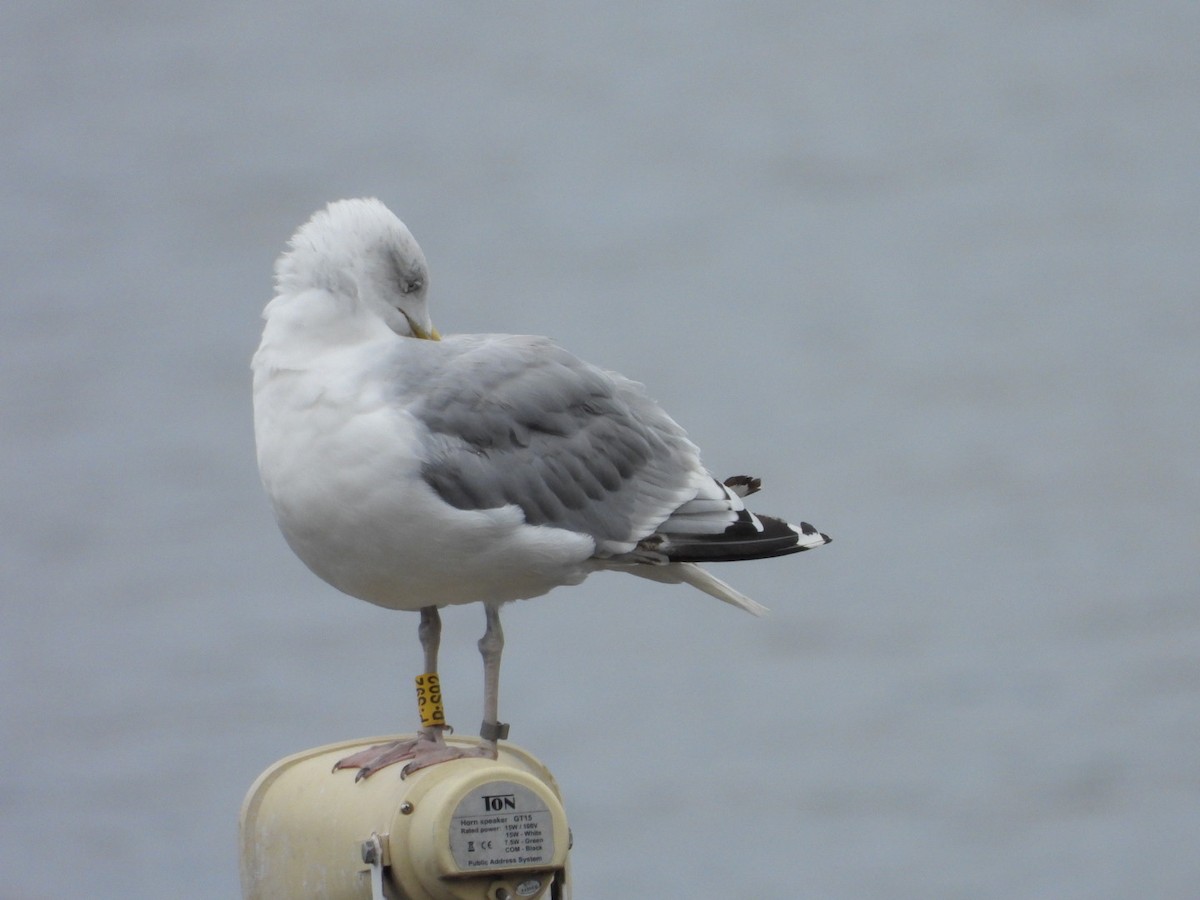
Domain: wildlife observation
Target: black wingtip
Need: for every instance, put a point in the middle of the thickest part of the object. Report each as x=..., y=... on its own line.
x=744, y=485
x=808, y=531
x=741, y=541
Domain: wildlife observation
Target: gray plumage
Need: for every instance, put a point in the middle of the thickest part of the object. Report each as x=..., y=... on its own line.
x=573, y=446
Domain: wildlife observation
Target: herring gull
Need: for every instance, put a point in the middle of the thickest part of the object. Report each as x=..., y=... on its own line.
x=415, y=471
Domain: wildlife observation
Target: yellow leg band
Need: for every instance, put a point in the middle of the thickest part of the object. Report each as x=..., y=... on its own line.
x=429, y=700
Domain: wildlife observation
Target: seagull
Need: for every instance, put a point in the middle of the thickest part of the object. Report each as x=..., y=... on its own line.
x=415, y=471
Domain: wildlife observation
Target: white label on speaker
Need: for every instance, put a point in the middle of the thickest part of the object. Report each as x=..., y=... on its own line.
x=501, y=825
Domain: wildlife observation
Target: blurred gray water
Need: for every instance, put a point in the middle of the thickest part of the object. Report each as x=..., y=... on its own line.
x=928, y=269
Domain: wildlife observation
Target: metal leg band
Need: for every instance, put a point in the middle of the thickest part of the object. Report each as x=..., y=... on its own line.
x=494, y=731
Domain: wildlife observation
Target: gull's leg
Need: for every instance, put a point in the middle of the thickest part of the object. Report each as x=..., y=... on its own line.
x=491, y=646
x=429, y=740
x=429, y=632
x=430, y=748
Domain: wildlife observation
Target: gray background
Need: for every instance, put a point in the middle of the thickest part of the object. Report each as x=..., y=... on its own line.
x=928, y=269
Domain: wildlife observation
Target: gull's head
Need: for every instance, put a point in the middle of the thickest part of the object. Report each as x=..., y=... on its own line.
x=359, y=252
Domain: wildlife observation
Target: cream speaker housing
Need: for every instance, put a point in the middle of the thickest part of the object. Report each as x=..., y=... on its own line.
x=468, y=829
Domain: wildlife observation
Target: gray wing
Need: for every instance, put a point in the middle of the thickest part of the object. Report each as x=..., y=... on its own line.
x=518, y=420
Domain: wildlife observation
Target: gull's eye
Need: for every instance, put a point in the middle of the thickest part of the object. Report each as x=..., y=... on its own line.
x=407, y=275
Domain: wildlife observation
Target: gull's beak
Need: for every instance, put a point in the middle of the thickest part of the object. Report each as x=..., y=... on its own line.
x=420, y=331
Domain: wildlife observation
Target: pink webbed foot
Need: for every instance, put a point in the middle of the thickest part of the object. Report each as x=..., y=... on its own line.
x=445, y=753
x=375, y=758
x=428, y=749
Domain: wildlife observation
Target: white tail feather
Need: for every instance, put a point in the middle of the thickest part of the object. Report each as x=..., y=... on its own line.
x=692, y=574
